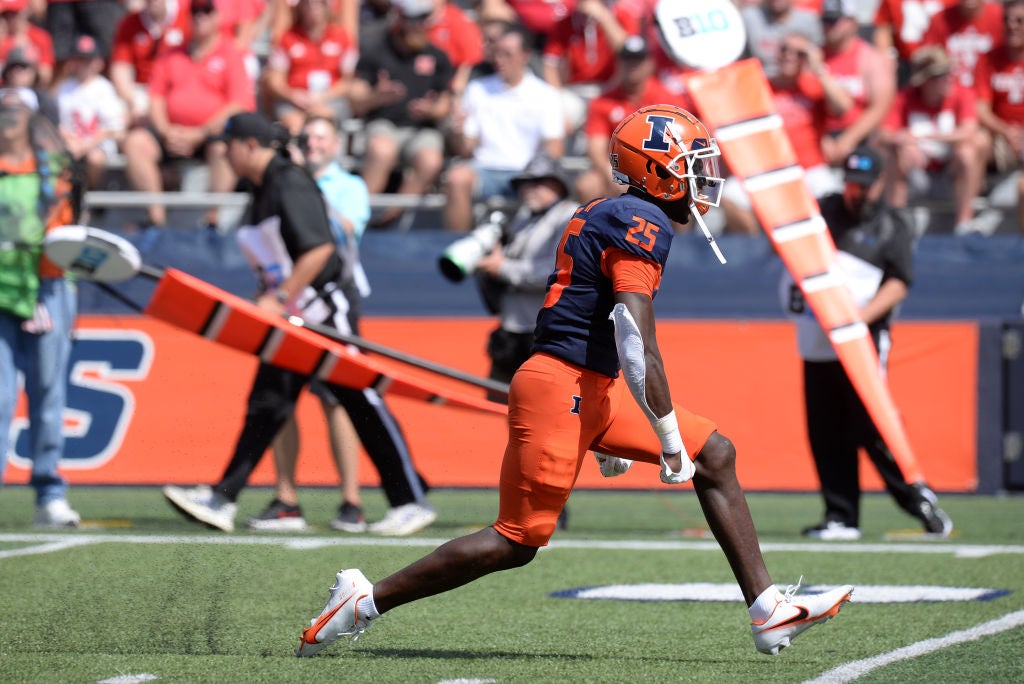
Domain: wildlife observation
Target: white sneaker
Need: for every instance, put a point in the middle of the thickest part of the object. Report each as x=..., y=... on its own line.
x=203, y=505
x=340, y=617
x=56, y=513
x=832, y=530
x=403, y=520
x=612, y=466
x=793, y=615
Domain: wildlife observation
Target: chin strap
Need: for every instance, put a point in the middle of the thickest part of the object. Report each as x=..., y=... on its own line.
x=707, y=233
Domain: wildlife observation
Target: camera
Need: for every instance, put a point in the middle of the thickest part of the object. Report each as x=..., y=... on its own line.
x=461, y=257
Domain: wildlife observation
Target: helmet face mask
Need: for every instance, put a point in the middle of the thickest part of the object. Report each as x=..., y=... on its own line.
x=665, y=152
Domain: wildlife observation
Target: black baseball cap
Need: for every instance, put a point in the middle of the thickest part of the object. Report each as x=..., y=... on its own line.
x=246, y=125
x=863, y=166
x=85, y=47
x=19, y=56
x=634, y=47
x=203, y=6
x=834, y=10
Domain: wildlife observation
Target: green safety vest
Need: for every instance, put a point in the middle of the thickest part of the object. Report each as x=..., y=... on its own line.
x=21, y=243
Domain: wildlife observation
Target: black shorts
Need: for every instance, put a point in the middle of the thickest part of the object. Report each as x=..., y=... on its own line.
x=66, y=21
x=199, y=154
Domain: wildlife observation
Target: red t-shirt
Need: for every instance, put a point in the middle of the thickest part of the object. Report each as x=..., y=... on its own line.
x=966, y=39
x=313, y=65
x=235, y=12
x=196, y=91
x=847, y=68
x=39, y=45
x=815, y=6
x=608, y=109
x=580, y=42
x=909, y=20
x=541, y=16
x=999, y=81
x=458, y=36
x=137, y=40
x=910, y=112
x=802, y=109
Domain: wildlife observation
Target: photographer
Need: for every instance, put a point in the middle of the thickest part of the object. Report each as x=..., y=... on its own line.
x=514, y=275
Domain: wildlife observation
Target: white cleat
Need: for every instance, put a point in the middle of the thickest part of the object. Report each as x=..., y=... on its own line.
x=203, y=505
x=793, y=615
x=340, y=617
x=612, y=466
x=404, y=520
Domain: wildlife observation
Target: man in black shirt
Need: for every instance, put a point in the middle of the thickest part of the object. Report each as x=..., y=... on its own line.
x=402, y=90
x=288, y=241
x=875, y=254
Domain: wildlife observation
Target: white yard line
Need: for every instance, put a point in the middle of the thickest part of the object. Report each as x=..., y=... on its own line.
x=858, y=668
x=58, y=541
x=130, y=679
x=63, y=543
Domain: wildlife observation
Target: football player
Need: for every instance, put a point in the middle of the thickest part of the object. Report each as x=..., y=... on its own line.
x=596, y=381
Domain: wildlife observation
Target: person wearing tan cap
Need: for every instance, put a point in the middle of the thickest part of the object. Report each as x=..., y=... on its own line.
x=931, y=138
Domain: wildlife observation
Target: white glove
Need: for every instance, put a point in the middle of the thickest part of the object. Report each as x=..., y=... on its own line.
x=612, y=466
x=686, y=471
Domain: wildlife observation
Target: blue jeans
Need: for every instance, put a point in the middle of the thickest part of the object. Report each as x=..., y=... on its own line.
x=495, y=183
x=43, y=360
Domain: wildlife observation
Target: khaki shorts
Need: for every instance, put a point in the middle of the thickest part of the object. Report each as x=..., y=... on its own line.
x=411, y=141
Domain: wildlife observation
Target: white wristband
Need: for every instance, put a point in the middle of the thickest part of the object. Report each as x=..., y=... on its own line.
x=667, y=429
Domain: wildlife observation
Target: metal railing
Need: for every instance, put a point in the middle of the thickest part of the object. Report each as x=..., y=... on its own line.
x=109, y=199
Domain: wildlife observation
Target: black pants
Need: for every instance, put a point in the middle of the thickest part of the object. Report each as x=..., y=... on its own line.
x=272, y=399
x=838, y=425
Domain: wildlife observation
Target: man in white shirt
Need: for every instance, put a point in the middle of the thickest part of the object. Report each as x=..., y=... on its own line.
x=503, y=121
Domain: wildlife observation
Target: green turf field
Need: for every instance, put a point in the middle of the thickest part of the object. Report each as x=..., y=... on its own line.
x=139, y=594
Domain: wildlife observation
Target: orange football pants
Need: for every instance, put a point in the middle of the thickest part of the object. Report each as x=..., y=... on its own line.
x=556, y=413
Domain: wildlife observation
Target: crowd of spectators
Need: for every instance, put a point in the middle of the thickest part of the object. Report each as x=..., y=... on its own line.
x=455, y=96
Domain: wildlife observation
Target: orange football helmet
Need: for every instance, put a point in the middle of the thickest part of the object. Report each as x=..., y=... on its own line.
x=666, y=152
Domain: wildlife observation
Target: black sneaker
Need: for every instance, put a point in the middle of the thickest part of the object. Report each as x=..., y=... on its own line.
x=933, y=518
x=350, y=518
x=278, y=517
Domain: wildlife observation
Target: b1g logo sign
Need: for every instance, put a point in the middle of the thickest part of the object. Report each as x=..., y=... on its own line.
x=702, y=34
x=99, y=407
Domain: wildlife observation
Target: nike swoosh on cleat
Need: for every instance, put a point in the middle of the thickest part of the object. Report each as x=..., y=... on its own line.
x=800, y=617
x=321, y=622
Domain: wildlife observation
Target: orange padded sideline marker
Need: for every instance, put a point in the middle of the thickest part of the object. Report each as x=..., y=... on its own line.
x=199, y=307
x=735, y=102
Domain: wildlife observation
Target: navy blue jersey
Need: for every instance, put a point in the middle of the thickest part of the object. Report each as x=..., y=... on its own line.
x=573, y=324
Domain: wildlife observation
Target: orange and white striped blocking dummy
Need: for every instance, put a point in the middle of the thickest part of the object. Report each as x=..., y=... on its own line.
x=199, y=307
x=735, y=102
